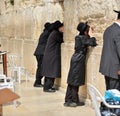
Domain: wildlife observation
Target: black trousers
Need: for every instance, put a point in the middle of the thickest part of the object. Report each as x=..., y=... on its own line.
x=72, y=94
x=112, y=83
x=39, y=59
x=48, y=83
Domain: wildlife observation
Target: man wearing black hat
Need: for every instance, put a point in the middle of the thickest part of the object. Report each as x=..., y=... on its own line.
x=39, y=52
x=51, y=67
x=76, y=75
x=110, y=58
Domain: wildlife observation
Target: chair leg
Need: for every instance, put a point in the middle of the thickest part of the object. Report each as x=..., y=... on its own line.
x=15, y=103
x=15, y=75
x=19, y=76
x=12, y=75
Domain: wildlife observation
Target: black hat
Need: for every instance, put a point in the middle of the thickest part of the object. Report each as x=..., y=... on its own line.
x=118, y=12
x=47, y=25
x=57, y=24
x=82, y=27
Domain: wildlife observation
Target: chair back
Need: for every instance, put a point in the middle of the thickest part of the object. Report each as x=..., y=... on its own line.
x=14, y=60
x=95, y=97
x=6, y=82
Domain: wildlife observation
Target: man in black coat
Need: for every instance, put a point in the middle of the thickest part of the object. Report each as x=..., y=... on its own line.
x=51, y=67
x=76, y=75
x=39, y=52
x=110, y=59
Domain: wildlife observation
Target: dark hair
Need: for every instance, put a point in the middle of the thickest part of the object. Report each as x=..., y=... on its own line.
x=57, y=24
x=47, y=25
x=86, y=30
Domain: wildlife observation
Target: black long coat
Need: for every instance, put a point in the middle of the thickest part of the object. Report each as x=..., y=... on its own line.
x=42, y=43
x=51, y=66
x=76, y=76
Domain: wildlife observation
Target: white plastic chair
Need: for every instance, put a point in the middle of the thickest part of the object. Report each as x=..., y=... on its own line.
x=15, y=65
x=96, y=98
x=7, y=82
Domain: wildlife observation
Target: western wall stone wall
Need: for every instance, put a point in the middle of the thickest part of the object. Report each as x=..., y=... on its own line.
x=22, y=23
x=99, y=14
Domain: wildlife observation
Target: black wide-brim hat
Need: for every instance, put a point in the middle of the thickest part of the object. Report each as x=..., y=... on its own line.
x=57, y=24
x=116, y=11
x=47, y=25
x=82, y=26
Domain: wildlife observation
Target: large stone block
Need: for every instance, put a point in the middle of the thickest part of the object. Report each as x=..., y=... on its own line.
x=20, y=24
x=29, y=59
x=67, y=51
x=29, y=23
x=4, y=43
x=2, y=6
x=48, y=13
x=70, y=20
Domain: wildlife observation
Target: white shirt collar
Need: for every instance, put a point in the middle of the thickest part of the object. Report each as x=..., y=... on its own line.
x=117, y=23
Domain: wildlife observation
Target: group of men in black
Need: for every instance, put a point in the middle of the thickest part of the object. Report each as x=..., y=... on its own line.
x=48, y=55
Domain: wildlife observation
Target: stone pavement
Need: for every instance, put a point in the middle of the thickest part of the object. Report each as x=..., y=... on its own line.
x=35, y=102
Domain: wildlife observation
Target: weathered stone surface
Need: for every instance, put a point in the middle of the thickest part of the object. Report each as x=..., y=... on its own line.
x=99, y=14
x=29, y=60
x=22, y=23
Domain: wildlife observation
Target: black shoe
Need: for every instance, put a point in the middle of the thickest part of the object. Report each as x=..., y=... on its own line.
x=38, y=85
x=80, y=104
x=66, y=104
x=70, y=104
x=49, y=90
x=73, y=104
x=53, y=88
